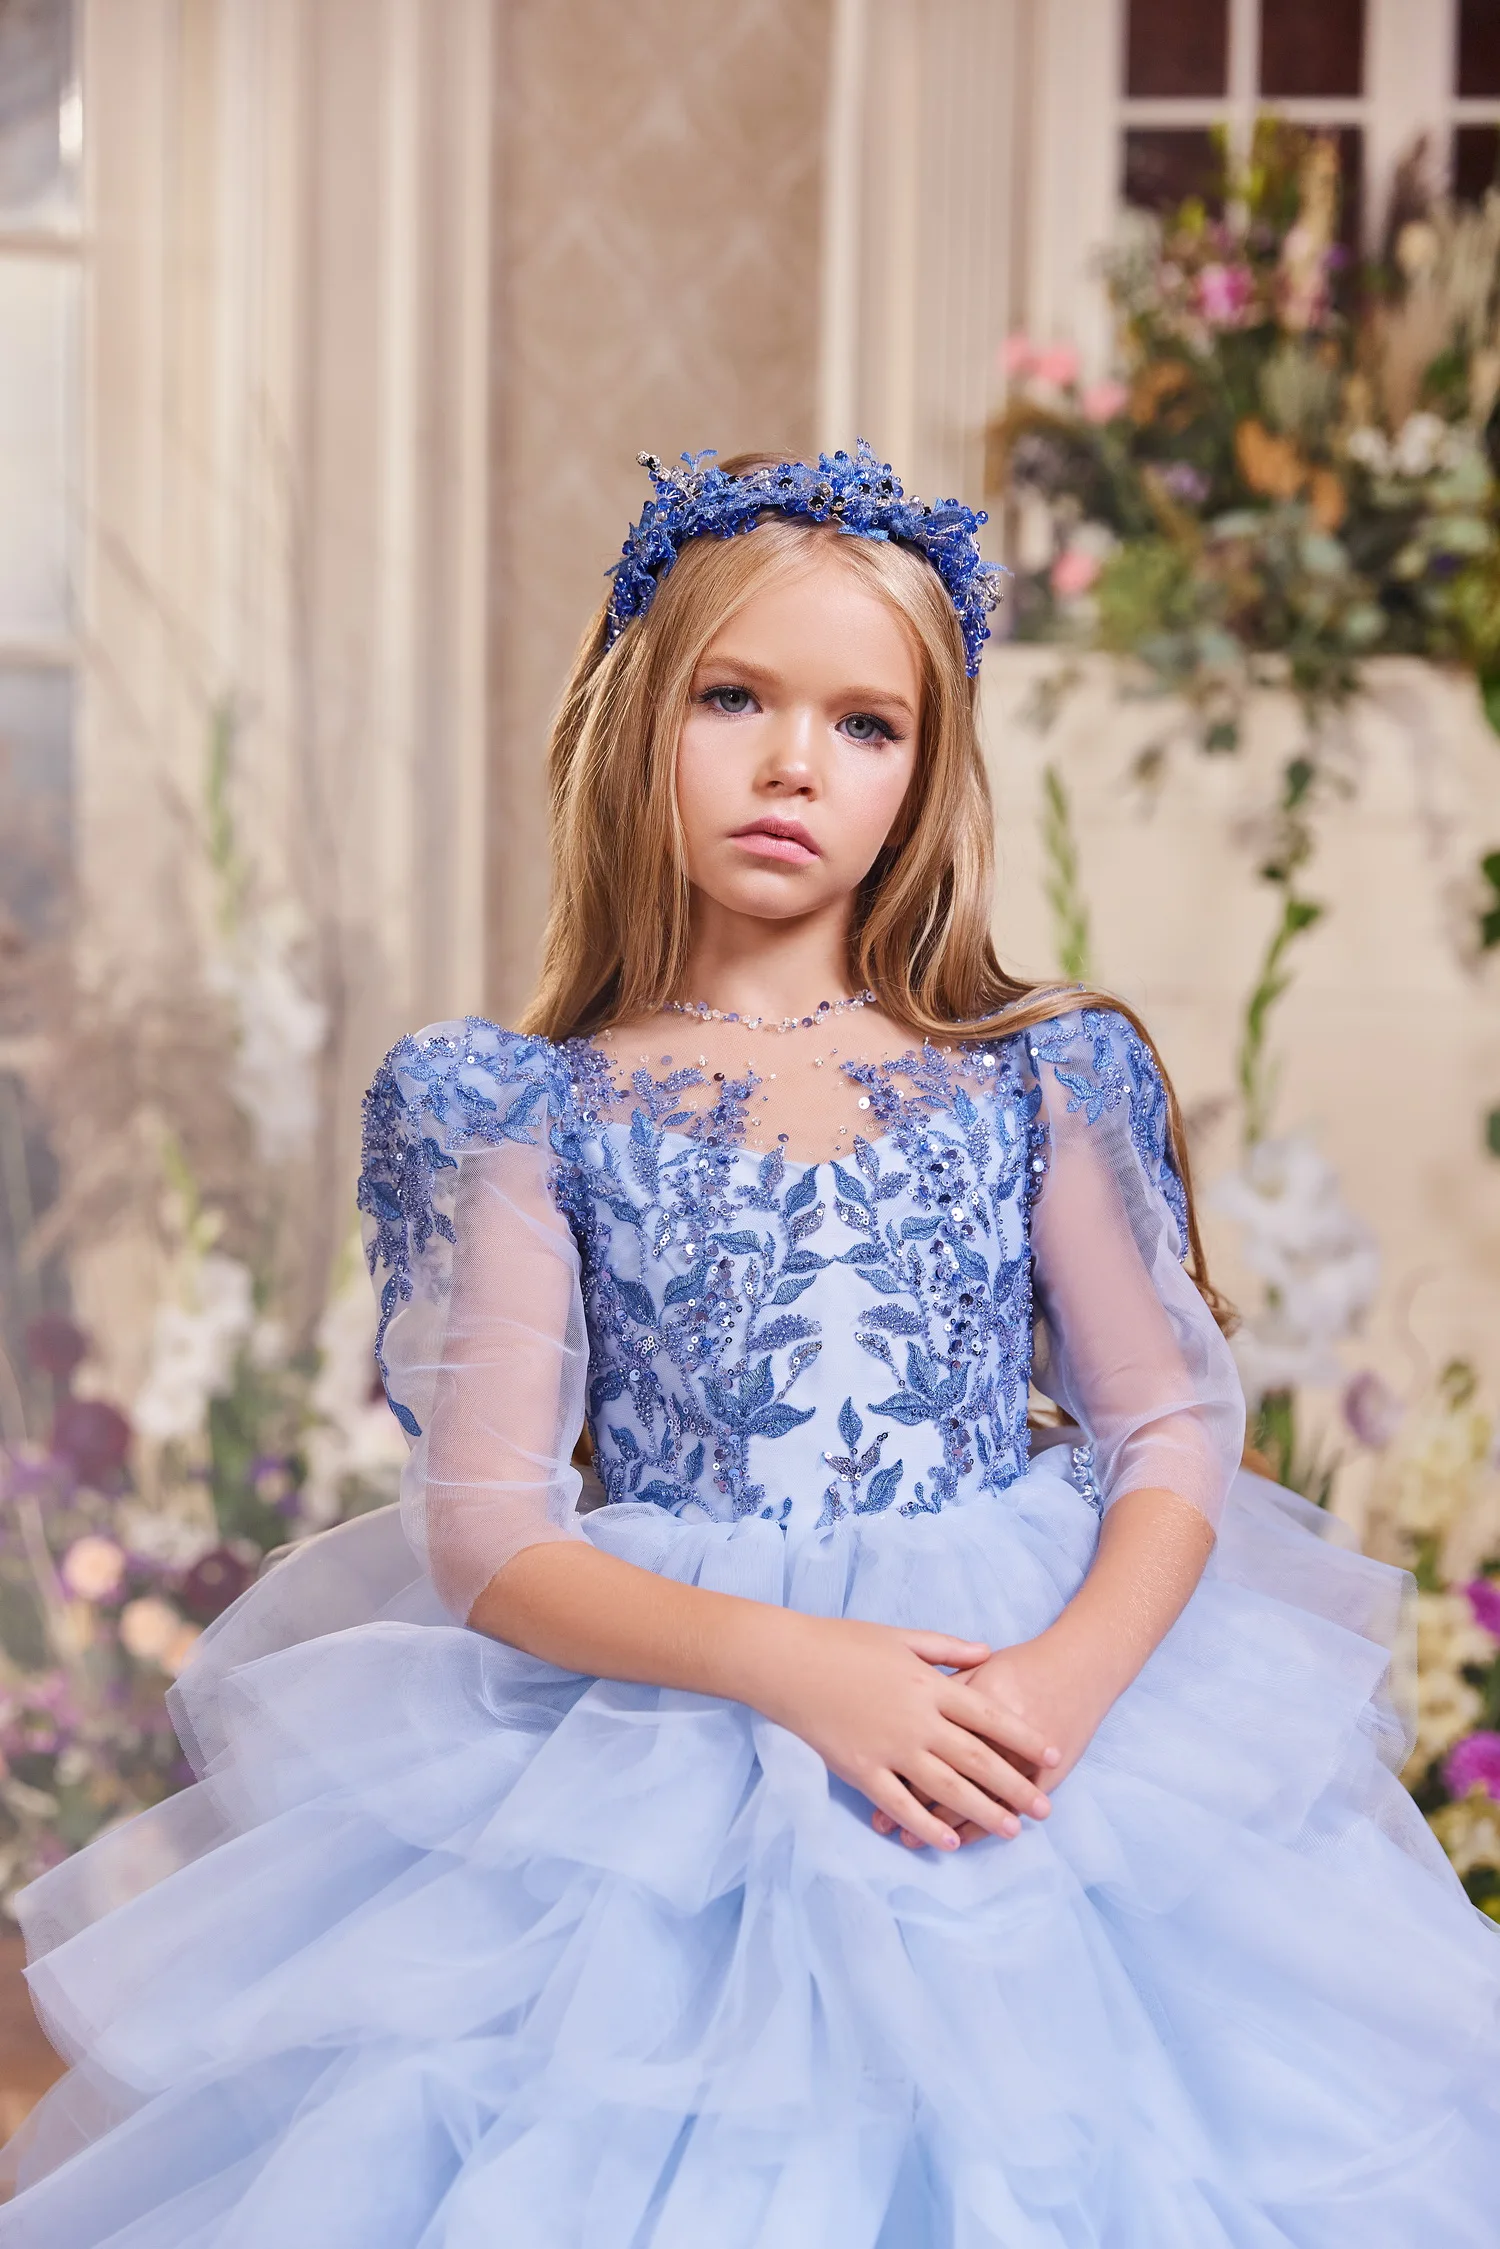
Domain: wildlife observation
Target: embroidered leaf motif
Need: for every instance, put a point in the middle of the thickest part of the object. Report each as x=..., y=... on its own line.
x=692, y=1467
x=895, y=1319
x=804, y=1261
x=882, y=1490
x=789, y=1291
x=778, y=1333
x=892, y=1184
x=687, y=1286
x=903, y=1406
x=850, y=1425
x=801, y=1193
x=856, y=1214
x=776, y=1421
x=866, y=1158
x=853, y=1189
x=742, y=1244
x=637, y=1301
x=806, y=1222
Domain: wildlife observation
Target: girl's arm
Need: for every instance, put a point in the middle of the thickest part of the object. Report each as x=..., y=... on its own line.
x=869, y=1698
x=1127, y=1346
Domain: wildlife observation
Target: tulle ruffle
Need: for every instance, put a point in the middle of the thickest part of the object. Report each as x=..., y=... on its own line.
x=458, y=1948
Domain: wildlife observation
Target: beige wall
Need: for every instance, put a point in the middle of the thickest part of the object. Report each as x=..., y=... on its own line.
x=659, y=199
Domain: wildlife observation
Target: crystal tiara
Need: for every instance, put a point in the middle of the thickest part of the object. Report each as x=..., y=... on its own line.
x=858, y=492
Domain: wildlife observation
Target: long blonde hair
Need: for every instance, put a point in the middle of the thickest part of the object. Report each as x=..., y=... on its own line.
x=616, y=941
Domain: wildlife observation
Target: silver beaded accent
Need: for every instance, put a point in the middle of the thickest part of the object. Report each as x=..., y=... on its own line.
x=823, y=1013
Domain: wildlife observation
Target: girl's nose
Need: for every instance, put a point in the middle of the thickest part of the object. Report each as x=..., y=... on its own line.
x=789, y=761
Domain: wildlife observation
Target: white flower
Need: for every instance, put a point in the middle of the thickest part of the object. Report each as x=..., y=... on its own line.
x=1418, y=449
x=1371, y=448
x=92, y=1568
x=281, y=1031
x=1437, y=1472
x=1318, y=1260
x=194, y=1346
x=175, y=1541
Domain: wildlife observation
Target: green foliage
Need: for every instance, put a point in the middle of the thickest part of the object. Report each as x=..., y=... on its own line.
x=1489, y=918
x=1300, y=1467
x=1070, y=920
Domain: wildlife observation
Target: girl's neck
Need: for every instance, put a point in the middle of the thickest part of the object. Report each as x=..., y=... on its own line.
x=765, y=968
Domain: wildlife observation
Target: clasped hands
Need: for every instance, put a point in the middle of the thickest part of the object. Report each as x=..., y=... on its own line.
x=949, y=1741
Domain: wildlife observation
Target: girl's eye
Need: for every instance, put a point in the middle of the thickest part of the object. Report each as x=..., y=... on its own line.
x=732, y=701
x=863, y=726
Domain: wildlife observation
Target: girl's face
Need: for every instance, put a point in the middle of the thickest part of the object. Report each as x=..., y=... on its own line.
x=798, y=745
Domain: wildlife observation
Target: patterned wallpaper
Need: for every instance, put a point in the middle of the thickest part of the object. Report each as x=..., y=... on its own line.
x=659, y=196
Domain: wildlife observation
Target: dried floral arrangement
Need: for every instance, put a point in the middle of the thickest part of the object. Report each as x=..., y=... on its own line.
x=205, y=1111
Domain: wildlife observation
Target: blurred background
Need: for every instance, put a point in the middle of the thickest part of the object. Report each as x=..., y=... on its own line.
x=329, y=333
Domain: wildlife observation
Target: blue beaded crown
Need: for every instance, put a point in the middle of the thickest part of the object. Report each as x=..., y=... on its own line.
x=858, y=492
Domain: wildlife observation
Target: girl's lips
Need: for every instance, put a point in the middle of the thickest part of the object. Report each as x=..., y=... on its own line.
x=775, y=847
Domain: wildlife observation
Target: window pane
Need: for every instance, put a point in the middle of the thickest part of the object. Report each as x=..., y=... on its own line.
x=38, y=116
x=1177, y=47
x=37, y=313
x=36, y=789
x=1478, y=49
x=1162, y=167
x=1313, y=50
x=1476, y=159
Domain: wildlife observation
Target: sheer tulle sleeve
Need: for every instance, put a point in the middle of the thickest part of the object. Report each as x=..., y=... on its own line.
x=481, y=1341
x=1125, y=1344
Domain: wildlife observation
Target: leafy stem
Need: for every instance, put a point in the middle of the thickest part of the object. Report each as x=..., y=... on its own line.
x=1070, y=916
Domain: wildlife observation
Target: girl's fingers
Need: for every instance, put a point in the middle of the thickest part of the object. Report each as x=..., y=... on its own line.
x=941, y=1647
x=940, y=1784
x=981, y=1714
x=891, y=1796
x=975, y=1759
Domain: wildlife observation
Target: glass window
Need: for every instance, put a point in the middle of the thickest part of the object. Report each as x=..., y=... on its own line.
x=1478, y=50
x=38, y=112
x=1176, y=48
x=1164, y=165
x=1476, y=161
x=1311, y=51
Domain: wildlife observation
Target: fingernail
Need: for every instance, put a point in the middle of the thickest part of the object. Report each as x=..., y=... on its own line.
x=1040, y=1808
x=1010, y=1825
x=950, y=1842
x=1051, y=1756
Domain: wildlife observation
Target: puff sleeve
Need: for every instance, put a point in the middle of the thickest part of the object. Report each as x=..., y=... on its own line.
x=1124, y=1343
x=481, y=1340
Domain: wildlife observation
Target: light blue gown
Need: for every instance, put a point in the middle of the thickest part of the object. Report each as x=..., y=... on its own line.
x=450, y=1949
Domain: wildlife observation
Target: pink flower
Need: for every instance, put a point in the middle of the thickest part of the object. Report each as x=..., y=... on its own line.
x=92, y=1568
x=1057, y=364
x=1484, y=1600
x=1016, y=356
x=1101, y=402
x=1472, y=1763
x=92, y=1437
x=1073, y=573
x=1224, y=294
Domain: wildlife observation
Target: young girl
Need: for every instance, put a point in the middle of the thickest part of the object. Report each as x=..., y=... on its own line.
x=874, y=1826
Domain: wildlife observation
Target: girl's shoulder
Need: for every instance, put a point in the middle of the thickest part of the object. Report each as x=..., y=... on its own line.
x=467, y=1082
x=1089, y=1064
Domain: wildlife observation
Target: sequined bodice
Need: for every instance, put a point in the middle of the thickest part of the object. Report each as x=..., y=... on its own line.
x=798, y=1340
x=792, y=1340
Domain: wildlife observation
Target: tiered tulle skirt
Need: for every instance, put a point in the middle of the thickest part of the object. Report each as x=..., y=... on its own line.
x=452, y=1949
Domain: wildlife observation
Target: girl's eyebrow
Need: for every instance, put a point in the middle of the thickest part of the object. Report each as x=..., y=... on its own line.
x=763, y=676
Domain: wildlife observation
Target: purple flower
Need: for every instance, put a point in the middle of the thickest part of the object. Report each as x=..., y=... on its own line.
x=1185, y=483
x=1372, y=1410
x=1225, y=293
x=92, y=1437
x=207, y=1589
x=55, y=1345
x=1484, y=1600
x=1472, y=1763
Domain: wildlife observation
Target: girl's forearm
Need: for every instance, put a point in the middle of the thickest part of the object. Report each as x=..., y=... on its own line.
x=1153, y=1549
x=586, y=1611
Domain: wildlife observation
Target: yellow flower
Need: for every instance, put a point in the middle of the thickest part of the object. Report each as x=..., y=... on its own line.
x=1469, y=1831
